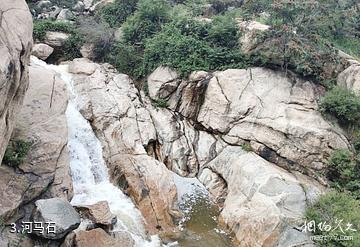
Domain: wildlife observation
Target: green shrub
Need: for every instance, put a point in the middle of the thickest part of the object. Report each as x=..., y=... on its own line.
x=224, y=32
x=344, y=172
x=343, y=104
x=116, y=13
x=247, y=147
x=41, y=27
x=187, y=45
x=341, y=167
x=72, y=46
x=161, y=103
x=332, y=208
x=356, y=141
x=16, y=152
x=181, y=52
x=125, y=58
x=146, y=21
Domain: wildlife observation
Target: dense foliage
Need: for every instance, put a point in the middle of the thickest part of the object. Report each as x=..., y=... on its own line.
x=343, y=104
x=336, y=209
x=116, y=13
x=16, y=152
x=344, y=172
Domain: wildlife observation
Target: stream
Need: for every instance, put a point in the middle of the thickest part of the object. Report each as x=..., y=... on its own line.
x=92, y=184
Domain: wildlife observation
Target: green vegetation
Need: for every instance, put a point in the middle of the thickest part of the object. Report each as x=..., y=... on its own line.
x=343, y=104
x=116, y=13
x=41, y=27
x=332, y=208
x=146, y=21
x=247, y=147
x=16, y=152
x=161, y=103
x=344, y=172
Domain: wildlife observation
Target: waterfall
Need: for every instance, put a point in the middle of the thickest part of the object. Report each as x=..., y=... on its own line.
x=89, y=173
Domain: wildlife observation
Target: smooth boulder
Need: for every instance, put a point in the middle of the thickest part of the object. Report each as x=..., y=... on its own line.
x=60, y=213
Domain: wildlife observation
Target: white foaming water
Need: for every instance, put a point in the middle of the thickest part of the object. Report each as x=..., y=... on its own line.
x=89, y=173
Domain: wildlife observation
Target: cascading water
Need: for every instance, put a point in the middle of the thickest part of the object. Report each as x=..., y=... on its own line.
x=89, y=173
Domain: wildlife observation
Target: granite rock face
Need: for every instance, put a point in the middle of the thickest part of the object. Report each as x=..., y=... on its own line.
x=15, y=50
x=222, y=127
x=124, y=127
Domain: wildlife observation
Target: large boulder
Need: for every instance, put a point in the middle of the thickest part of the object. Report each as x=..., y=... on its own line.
x=99, y=213
x=15, y=49
x=56, y=39
x=42, y=51
x=350, y=78
x=250, y=31
x=59, y=213
x=210, y=120
x=260, y=206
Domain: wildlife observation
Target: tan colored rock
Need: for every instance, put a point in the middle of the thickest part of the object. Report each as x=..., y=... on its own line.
x=281, y=116
x=124, y=127
x=250, y=29
x=98, y=237
x=56, y=39
x=98, y=213
x=260, y=206
x=42, y=121
x=42, y=51
x=87, y=50
x=15, y=49
x=350, y=78
x=162, y=82
x=82, y=66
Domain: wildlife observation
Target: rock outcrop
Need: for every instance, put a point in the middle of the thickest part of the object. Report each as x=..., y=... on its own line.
x=15, y=49
x=112, y=105
x=276, y=114
x=222, y=127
